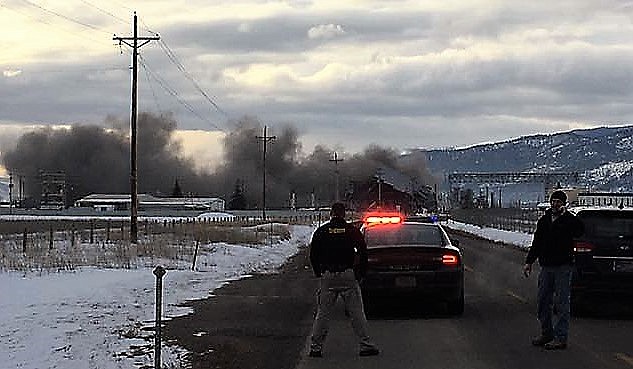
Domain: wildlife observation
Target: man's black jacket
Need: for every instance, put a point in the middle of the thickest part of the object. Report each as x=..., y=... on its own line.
x=338, y=245
x=553, y=242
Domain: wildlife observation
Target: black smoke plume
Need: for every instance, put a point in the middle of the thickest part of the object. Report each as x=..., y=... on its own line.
x=97, y=160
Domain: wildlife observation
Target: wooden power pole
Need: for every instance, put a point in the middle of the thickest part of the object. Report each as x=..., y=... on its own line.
x=265, y=139
x=133, y=42
x=336, y=160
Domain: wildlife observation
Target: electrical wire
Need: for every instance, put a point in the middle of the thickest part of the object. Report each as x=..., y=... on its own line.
x=172, y=56
x=106, y=12
x=65, y=17
x=151, y=86
x=75, y=34
x=163, y=83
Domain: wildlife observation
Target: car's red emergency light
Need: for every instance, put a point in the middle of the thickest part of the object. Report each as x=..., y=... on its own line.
x=383, y=218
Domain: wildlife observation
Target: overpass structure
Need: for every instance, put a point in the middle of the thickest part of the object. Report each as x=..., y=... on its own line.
x=549, y=180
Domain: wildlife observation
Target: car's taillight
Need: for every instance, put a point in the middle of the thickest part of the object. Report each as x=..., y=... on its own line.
x=450, y=259
x=583, y=247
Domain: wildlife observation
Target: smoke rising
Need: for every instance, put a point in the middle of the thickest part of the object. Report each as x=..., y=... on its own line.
x=97, y=160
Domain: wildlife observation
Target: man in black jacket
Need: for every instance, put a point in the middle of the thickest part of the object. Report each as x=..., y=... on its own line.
x=553, y=246
x=333, y=250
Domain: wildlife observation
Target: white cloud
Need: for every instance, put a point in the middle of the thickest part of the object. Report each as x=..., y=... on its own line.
x=11, y=73
x=311, y=63
x=326, y=31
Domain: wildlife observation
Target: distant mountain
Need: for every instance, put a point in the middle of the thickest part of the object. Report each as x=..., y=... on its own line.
x=602, y=156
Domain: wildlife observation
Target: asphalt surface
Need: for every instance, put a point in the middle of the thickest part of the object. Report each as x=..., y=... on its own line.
x=263, y=322
x=260, y=322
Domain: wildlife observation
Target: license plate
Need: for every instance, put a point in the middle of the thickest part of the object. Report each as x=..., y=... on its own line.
x=405, y=282
x=624, y=266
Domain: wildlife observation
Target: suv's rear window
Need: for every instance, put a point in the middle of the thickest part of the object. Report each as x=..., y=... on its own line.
x=404, y=234
x=607, y=224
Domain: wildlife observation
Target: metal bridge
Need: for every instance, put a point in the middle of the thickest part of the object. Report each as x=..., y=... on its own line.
x=549, y=180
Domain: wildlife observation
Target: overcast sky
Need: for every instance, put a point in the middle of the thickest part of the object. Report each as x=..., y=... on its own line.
x=399, y=73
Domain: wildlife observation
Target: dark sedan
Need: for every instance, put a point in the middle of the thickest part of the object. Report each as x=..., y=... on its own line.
x=604, y=254
x=412, y=259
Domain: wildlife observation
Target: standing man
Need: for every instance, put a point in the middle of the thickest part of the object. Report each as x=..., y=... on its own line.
x=333, y=248
x=553, y=247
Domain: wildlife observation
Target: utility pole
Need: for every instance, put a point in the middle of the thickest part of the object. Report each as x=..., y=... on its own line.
x=336, y=160
x=265, y=139
x=379, y=174
x=10, y=193
x=134, y=44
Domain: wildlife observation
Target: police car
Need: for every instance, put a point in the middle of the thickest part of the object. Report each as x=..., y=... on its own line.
x=414, y=259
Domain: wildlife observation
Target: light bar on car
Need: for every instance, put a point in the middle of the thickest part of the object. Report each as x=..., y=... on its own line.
x=383, y=218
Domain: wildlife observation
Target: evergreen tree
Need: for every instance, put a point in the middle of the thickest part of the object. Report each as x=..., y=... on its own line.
x=238, y=200
x=176, y=192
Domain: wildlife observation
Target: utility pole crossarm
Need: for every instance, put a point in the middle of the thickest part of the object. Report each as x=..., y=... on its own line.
x=124, y=40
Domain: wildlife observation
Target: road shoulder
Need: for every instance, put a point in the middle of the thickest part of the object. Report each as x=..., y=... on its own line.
x=258, y=322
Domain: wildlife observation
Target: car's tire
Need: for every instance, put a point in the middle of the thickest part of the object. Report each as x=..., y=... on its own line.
x=456, y=307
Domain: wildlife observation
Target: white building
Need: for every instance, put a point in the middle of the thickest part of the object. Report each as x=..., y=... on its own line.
x=623, y=199
x=111, y=202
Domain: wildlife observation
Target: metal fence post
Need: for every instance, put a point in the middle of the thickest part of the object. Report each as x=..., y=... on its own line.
x=159, y=272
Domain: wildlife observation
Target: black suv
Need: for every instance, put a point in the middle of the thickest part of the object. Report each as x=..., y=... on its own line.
x=604, y=254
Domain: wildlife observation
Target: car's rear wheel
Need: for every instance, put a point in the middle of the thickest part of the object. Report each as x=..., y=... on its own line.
x=456, y=307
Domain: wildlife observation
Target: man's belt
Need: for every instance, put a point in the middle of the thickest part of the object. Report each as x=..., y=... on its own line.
x=336, y=268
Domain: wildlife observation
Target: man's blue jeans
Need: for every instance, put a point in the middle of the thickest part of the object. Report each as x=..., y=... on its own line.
x=554, y=290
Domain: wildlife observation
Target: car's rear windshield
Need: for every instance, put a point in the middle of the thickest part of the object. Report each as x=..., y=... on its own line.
x=607, y=224
x=404, y=234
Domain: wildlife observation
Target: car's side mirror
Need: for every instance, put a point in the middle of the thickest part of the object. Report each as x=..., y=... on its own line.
x=454, y=242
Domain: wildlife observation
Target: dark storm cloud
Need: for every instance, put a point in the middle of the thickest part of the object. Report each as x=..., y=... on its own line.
x=97, y=161
x=290, y=33
x=289, y=170
x=378, y=65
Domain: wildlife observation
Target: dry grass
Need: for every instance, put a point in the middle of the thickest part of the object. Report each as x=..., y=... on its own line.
x=173, y=244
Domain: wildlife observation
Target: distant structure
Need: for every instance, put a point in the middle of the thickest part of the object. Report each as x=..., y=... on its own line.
x=549, y=181
x=122, y=202
x=53, y=190
x=621, y=200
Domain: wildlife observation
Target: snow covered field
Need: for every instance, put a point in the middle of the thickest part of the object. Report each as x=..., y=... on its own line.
x=94, y=318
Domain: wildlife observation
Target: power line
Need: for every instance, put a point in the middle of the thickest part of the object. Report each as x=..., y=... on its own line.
x=165, y=85
x=65, y=17
x=106, y=12
x=51, y=25
x=105, y=69
x=172, y=56
x=151, y=86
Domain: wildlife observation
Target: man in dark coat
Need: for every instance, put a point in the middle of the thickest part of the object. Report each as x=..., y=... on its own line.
x=553, y=246
x=333, y=250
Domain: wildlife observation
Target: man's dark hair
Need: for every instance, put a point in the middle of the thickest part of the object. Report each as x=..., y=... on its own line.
x=337, y=210
x=558, y=195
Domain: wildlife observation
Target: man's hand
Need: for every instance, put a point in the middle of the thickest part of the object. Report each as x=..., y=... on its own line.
x=527, y=269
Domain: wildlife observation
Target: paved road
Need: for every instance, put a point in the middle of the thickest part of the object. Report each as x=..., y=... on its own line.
x=263, y=323
x=255, y=323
